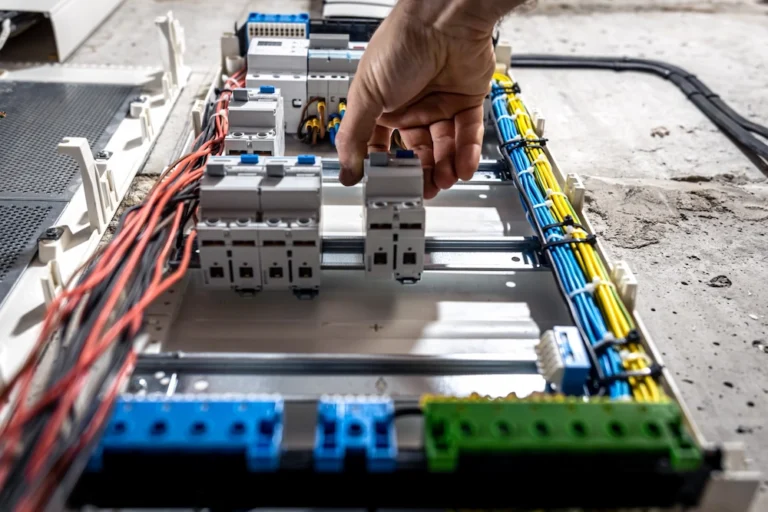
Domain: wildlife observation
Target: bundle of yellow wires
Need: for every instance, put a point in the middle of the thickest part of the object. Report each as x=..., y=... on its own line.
x=618, y=319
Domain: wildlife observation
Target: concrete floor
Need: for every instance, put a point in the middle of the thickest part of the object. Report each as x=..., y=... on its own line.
x=684, y=207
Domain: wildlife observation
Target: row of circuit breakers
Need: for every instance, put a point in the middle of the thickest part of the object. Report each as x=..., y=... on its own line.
x=260, y=224
x=287, y=80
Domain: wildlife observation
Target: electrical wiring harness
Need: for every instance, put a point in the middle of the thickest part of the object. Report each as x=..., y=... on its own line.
x=622, y=367
x=94, y=324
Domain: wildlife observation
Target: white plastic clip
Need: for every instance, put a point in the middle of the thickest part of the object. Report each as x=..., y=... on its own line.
x=49, y=250
x=52, y=282
x=78, y=148
x=173, y=45
x=538, y=122
x=198, y=109
x=575, y=190
x=626, y=283
x=548, y=203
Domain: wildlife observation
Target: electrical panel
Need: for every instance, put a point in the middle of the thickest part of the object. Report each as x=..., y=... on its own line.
x=260, y=223
x=394, y=218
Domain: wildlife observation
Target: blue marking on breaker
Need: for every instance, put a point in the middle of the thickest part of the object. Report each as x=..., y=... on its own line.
x=267, y=89
x=349, y=427
x=192, y=425
x=305, y=159
x=405, y=153
x=575, y=359
x=249, y=159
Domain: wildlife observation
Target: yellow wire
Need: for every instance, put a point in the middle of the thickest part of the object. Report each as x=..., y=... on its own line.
x=321, y=115
x=619, y=323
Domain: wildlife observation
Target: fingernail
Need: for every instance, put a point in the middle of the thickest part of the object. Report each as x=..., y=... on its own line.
x=346, y=176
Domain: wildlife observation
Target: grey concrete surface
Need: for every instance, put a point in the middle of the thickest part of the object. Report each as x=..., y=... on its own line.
x=684, y=207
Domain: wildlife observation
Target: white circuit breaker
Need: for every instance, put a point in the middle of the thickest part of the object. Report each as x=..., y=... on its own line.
x=260, y=223
x=394, y=216
x=256, y=123
x=322, y=66
x=281, y=63
x=293, y=88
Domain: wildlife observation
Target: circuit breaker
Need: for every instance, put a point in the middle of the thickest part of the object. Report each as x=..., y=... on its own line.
x=256, y=124
x=394, y=219
x=260, y=223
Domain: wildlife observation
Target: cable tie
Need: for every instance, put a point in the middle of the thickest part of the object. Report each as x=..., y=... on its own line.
x=589, y=239
x=526, y=171
x=502, y=97
x=627, y=356
x=554, y=235
x=505, y=116
x=551, y=193
x=609, y=340
x=567, y=221
x=517, y=142
x=654, y=370
x=591, y=287
x=547, y=203
x=519, y=112
x=514, y=89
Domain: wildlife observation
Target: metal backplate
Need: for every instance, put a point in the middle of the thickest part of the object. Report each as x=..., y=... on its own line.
x=21, y=222
x=37, y=116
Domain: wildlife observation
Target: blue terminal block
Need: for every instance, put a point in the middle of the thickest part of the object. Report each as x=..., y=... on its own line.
x=278, y=25
x=191, y=425
x=355, y=427
x=267, y=89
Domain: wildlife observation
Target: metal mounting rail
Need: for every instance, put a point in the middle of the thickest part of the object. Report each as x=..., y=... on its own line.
x=332, y=364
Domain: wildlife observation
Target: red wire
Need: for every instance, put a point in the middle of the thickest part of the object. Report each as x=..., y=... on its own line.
x=143, y=220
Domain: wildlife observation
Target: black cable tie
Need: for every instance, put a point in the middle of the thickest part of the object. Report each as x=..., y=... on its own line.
x=513, y=144
x=589, y=239
x=652, y=371
x=632, y=337
x=567, y=221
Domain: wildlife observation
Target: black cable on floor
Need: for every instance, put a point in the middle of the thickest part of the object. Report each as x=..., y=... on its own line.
x=738, y=128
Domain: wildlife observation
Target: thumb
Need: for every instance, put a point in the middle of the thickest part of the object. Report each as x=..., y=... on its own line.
x=363, y=109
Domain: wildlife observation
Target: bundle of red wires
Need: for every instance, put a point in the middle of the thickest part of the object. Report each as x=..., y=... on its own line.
x=159, y=220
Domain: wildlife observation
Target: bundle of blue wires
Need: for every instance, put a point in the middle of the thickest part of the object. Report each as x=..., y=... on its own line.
x=333, y=128
x=562, y=257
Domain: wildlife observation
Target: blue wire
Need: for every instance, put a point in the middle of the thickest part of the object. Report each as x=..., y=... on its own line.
x=563, y=257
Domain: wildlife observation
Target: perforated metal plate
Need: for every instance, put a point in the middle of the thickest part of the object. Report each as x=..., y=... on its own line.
x=37, y=116
x=21, y=222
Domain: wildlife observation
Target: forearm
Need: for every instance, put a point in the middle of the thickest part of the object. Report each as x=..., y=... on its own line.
x=460, y=18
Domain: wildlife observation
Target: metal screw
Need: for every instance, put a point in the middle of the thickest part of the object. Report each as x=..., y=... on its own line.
x=138, y=385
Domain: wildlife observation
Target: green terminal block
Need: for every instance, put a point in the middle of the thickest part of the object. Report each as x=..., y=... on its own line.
x=458, y=427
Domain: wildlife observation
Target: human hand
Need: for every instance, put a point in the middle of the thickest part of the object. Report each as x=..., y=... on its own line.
x=426, y=73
